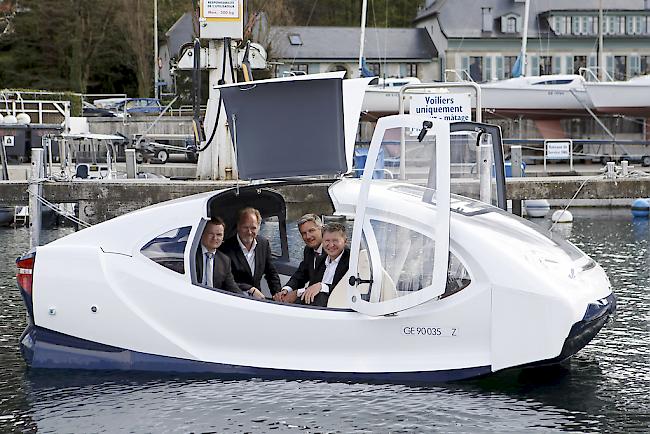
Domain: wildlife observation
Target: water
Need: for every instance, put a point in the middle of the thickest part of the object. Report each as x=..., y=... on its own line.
x=604, y=388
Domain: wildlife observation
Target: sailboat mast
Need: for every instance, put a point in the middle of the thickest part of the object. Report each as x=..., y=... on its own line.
x=524, y=39
x=601, y=53
x=364, y=7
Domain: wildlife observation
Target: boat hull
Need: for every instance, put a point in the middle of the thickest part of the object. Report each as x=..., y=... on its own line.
x=43, y=348
x=620, y=98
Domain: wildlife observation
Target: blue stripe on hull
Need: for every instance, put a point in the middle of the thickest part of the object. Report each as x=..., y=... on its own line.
x=44, y=348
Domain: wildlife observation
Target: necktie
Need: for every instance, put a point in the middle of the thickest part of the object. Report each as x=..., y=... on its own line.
x=207, y=268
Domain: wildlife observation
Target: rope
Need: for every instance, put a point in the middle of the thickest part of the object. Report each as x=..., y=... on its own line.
x=56, y=209
x=574, y=196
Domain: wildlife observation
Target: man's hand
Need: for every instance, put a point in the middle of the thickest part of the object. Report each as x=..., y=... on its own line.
x=256, y=293
x=279, y=296
x=311, y=292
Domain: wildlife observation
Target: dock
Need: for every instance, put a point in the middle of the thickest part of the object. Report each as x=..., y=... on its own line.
x=100, y=200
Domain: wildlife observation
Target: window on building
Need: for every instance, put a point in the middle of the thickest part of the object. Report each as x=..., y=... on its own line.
x=575, y=25
x=476, y=68
x=635, y=65
x=295, y=39
x=412, y=69
x=559, y=24
x=620, y=68
x=486, y=14
x=579, y=62
x=168, y=249
x=635, y=25
x=300, y=67
x=545, y=65
x=614, y=25
x=508, y=65
x=511, y=25
x=645, y=65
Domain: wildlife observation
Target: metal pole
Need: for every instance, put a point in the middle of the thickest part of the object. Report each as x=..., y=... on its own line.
x=131, y=163
x=516, y=157
x=156, y=77
x=524, y=39
x=485, y=173
x=364, y=7
x=35, y=192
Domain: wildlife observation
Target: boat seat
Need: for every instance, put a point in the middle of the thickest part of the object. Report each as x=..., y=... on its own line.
x=339, y=295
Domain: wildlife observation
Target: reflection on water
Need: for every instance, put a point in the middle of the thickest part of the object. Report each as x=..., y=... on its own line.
x=603, y=388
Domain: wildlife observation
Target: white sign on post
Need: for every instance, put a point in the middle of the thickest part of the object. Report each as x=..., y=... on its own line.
x=8, y=141
x=221, y=8
x=450, y=107
x=558, y=150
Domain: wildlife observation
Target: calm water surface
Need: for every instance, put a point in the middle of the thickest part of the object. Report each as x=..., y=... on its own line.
x=605, y=388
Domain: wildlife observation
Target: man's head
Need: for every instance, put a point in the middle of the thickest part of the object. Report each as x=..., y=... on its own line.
x=310, y=227
x=213, y=234
x=248, y=224
x=334, y=239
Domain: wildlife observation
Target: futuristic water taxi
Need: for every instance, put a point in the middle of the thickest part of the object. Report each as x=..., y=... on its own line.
x=439, y=287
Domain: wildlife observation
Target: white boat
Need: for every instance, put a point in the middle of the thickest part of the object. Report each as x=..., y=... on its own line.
x=544, y=95
x=439, y=287
x=631, y=97
x=382, y=95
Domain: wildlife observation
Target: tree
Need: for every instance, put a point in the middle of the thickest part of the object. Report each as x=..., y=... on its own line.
x=136, y=20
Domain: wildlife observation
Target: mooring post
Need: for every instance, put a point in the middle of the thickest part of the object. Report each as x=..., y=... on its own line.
x=130, y=163
x=485, y=173
x=516, y=158
x=35, y=192
x=4, y=173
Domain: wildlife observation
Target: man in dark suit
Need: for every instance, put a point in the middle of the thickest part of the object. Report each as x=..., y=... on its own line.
x=310, y=227
x=213, y=267
x=330, y=268
x=250, y=255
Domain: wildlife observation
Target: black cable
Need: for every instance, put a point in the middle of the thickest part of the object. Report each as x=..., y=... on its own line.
x=226, y=42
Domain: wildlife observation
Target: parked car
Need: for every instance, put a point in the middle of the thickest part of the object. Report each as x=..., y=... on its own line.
x=91, y=110
x=131, y=106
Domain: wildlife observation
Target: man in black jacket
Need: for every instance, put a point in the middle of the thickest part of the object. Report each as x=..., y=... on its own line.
x=310, y=227
x=213, y=267
x=330, y=268
x=250, y=255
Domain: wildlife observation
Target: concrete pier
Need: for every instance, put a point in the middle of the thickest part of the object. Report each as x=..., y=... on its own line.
x=105, y=199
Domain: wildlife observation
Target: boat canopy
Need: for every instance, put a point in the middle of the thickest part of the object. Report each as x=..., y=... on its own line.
x=297, y=126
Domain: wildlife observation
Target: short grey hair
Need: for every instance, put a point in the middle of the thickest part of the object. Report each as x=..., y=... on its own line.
x=310, y=218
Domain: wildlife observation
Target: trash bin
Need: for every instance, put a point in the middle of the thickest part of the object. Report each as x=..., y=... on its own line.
x=14, y=138
x=508, y=167
x=360, y=157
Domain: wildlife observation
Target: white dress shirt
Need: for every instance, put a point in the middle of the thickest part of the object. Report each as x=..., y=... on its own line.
x=248, y=254
x=328, y=276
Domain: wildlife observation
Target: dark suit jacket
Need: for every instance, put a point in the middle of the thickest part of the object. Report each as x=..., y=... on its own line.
x=306, y=272
x=222, y=277
x=342, y=268
x=263, y=266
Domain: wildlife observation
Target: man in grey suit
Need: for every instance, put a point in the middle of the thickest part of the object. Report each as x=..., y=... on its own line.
x=310, y=228
x=250, y=255
x=213, y=267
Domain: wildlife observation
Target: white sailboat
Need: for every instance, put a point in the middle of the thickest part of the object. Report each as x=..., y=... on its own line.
x=538, y=96
x=631, y=97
